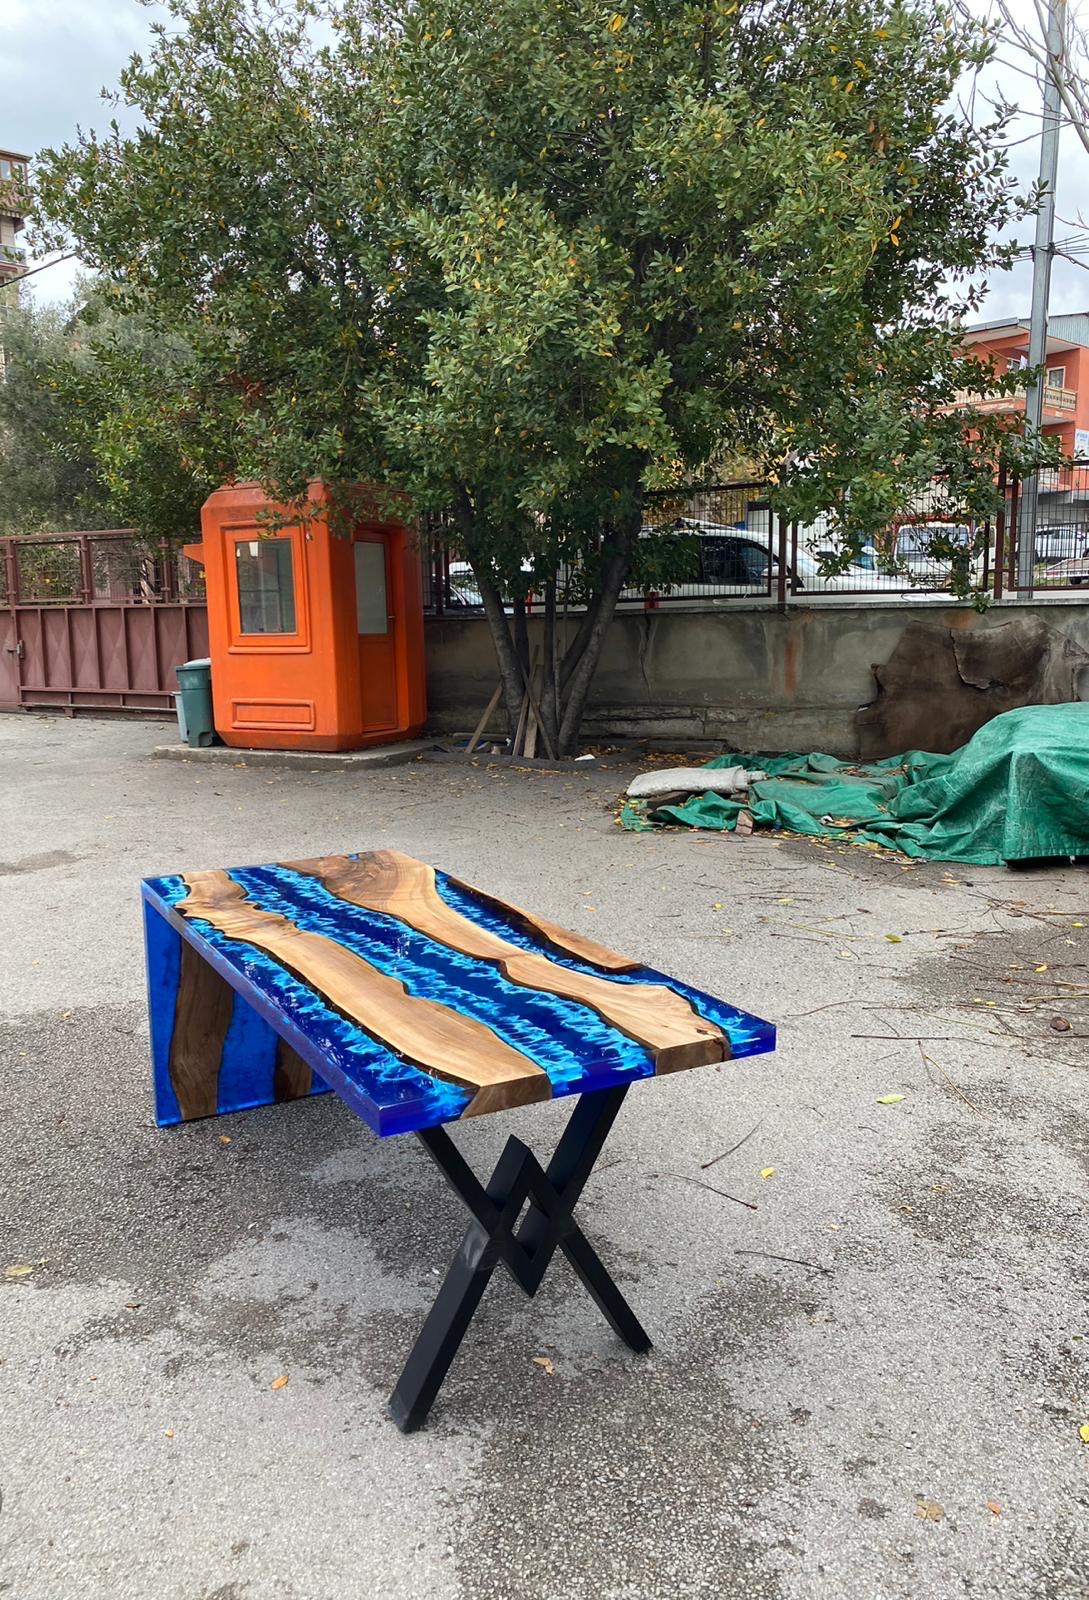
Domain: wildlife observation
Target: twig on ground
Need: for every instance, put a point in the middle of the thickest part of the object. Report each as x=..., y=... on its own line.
x=914, y=1038
x=814, y=1266
x=715, y=1159
x=792, y=1016
x=683, y=1178
x=929, y=1060
x=1013, y=910
x=1020, y=1007
x=1022, y=983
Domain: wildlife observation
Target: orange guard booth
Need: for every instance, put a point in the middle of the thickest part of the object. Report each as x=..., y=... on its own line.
x=315, y=636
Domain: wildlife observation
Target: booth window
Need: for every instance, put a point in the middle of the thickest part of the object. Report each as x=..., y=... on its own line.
x=266, y=585
x=370, y=587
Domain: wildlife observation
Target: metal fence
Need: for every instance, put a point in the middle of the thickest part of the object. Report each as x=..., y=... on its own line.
x=1055, y=514
x=97, y=621
x=715, y=543
x=111, y=566
x=722, y=543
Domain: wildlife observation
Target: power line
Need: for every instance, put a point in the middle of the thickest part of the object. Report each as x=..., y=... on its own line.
x=43, y=266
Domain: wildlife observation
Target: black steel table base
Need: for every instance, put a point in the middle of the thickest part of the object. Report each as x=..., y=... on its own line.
x=525, y=1249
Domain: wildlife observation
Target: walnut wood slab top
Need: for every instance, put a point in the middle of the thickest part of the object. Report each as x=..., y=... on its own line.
x=421, y=999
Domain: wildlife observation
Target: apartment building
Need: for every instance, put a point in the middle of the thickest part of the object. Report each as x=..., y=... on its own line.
x=1065, y=492
x=12, y=179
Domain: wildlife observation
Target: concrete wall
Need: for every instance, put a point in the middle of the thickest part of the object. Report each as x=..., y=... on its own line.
x=748, y=677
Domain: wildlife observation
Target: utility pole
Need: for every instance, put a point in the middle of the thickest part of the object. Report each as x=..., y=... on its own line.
x=1042, y=256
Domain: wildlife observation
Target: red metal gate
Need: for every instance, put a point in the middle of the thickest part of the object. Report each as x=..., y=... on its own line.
x=96, y=622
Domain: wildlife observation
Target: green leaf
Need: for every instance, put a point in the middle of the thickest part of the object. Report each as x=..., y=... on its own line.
x=524, y=268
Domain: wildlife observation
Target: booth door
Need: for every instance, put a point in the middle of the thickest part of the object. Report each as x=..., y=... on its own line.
x=377, y=657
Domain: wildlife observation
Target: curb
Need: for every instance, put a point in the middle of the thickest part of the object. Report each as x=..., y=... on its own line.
x=385, y=755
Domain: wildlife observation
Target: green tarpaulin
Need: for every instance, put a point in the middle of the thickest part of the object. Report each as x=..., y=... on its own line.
x=1017, y=791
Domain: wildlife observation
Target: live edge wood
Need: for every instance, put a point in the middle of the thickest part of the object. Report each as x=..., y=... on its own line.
x=202, y=1015
x=444, y=1042
x=292, y=1078
x=657, y=1017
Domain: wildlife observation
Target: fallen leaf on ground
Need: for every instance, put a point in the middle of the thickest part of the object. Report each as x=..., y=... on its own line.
x=889, y=1099
x=1083, y=1433
x=930, y=1510
x=1041, y=968
x=894, y=938
x=280, y=1382
x=994, y=1508
x=546, y=1362
x=21, y=1269
x=767, y=1172
x=224, y=1138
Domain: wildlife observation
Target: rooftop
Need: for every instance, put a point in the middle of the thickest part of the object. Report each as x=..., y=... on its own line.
x=1063, y=330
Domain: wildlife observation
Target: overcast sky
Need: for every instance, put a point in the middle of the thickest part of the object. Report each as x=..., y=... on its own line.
x=55, y=58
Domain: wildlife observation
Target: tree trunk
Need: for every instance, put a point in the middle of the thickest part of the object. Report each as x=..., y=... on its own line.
x=567, y=683
x=521, y=632
x=506, y=654
x=550, y=689
x=592, y=634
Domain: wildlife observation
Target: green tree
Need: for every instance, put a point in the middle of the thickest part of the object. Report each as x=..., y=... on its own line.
x=92, y=421
x=47, y=483
x=530, y=260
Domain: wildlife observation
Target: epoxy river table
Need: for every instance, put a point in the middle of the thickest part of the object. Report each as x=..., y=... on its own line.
x=420, y=1000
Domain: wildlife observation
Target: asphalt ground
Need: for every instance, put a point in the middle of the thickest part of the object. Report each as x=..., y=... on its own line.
x=868, y=1387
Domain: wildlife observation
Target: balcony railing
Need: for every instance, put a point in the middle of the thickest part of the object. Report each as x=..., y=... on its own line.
x=1057, y=402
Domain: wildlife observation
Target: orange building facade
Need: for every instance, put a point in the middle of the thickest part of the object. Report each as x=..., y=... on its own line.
x=1066, y=385
x=1063, y=494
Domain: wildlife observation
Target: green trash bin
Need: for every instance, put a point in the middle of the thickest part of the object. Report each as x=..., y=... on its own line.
x=194, y=703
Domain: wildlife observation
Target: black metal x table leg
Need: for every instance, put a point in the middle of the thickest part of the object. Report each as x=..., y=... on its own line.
x=525, y=1249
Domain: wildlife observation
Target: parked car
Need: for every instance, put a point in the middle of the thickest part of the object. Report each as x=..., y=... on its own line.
x=1075, y=570
x=864, y=560
x=1061, y=541
x=930, y=552
x=740, y=562
x=462, y=590
x=912, y=559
